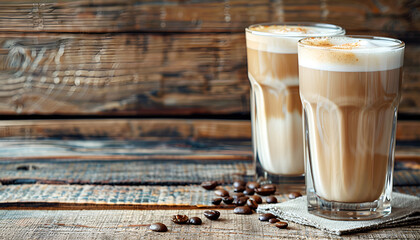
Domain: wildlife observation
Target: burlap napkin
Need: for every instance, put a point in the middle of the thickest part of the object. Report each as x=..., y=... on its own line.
x=405, y=210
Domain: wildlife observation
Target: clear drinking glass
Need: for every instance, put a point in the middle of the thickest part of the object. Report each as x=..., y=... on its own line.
x=350, y=88
x=276, y=111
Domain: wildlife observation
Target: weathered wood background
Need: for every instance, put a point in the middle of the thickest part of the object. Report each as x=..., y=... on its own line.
x=160, y=58
x=134, y=60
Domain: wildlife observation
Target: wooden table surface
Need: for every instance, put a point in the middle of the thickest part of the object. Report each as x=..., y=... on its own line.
x=109, y=188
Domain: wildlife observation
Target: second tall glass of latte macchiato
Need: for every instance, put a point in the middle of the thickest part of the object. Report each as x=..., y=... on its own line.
x=276, y=110
x=350, y=88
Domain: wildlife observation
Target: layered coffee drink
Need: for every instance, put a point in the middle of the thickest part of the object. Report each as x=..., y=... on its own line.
x=275, y=103
x=350, y=90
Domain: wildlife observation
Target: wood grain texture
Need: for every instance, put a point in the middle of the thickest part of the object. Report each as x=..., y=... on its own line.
x=126, y=74
x=156, y=172
x=140, y=129
x=203, y=16
x=152, y=172
x=112, y=150
x=138, y=74
x=108, y=197
x=130, y=224
x=72, y=197
x=151, y=129
x=115, y=150
x=148, y=139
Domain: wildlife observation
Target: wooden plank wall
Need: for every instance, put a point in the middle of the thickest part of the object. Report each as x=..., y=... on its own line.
x=160, y=58
x=149, y=139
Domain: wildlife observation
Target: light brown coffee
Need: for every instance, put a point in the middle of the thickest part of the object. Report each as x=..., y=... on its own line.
x=275, y=73
x=274, y=78
x=350, y=115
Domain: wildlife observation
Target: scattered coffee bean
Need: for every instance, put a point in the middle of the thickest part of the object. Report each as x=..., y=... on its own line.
x=242, y=210
x=252, y=185
x=239, y=183
x=238, y=195
x=209, y=185
x=221, y=193
x=266, y=216
x=265, y=191
x=195, y=221
x=271, y=199
x=179, y=219
x=228, y=200
x=294, y=195
x=281, y=224
x=212, y=214
x=251, y=203
x=269, y=186
x=249, y=191
x=158, y=227
x=240, y=201
x=257, y=199
x=273, y=220
x=239, y=189
x=216, y=201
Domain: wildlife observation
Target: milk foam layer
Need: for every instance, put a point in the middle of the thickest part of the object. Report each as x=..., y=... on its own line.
x=348, y=54
x=283, y=39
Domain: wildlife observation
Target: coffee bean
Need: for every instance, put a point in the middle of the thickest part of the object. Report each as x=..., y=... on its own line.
x=252, y=185
x=228, y=200
x=257, y=199
x=212, y=214
x=266, y=216
x=216, y=201
x=251, y=203
x=273, y=220
x=158, y=227
x=195, y=221
x=238, y=195
x=239, y=183
x=240, y=201
x=265, y=191
x=242, y=210
x=294, y=195
x=221, y=193
x=209, y=185
x=249, y=191
x=179, y=219
x=281, y=225
x=271, y=199
x=239, y=189
x=269, y=186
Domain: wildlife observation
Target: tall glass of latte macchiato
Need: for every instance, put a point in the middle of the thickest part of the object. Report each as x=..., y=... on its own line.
x=350, y=88
x=276, y=110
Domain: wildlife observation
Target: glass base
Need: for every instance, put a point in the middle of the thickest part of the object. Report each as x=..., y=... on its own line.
x=284, y=183
x=347, y=211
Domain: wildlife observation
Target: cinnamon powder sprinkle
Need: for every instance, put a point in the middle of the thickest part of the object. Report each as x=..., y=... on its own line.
x=279, y=29
x=326, y=43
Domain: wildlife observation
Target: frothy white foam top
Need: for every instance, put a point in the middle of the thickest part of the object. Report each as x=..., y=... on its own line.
x=347, y=54
x=282, y=39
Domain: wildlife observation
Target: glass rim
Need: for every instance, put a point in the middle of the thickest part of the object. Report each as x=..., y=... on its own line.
x=338, y=30
x=398, y=43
